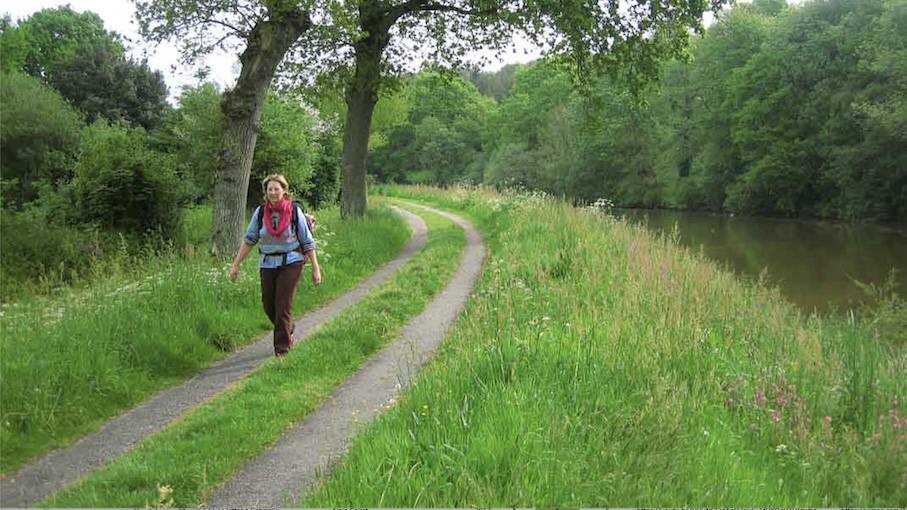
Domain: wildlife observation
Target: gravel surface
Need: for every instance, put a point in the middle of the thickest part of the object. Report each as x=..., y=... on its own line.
x=278, y=477
x=51, y=472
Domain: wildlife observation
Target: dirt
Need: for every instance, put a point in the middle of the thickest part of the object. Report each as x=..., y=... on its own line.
x=281, y=474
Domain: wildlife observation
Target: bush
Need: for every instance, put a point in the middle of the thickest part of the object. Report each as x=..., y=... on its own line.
x=513, y=166
x=121, y=185
x=39, y=137
x=58, y=254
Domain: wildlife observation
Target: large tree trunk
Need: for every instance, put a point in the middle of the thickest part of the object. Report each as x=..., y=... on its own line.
x=268, y=42
x=361, y=98
x=360, y=105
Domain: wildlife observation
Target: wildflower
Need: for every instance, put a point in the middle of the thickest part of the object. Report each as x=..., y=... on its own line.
x=776, y=416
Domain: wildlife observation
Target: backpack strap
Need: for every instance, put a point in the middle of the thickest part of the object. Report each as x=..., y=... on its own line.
x=294, y=221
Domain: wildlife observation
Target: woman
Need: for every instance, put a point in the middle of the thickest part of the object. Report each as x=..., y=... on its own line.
x=283, y=253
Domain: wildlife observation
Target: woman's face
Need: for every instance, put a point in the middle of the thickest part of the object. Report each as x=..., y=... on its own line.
x=275, y=191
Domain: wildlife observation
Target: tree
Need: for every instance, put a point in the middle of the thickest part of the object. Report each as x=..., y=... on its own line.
x=796, y=121
x=101, y=82
x=39, y=137
x=55, y=34
x=120, y=184
x=286, y=144
x=628, y=42
x=703, y=102
x=873, y=175
x=192, y=134
x=73, y=53
x=268, y=29
x=12, y=45
x=439, y=135
x=495, y=84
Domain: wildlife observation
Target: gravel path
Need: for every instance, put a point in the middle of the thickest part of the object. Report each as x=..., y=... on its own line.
x=278, y=477
x=59, y=468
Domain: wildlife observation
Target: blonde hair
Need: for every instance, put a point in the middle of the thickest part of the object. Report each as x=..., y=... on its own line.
x=280, y=179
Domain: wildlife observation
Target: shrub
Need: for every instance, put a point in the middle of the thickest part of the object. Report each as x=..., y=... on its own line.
x=121, y=185
x=39, y=137
x=58, y=254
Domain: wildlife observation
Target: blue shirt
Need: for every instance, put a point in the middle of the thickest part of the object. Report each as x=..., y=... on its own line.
x=273, y=248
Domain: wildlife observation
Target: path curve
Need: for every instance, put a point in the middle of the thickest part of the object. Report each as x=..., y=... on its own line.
x=279, y=476
x=58, y=468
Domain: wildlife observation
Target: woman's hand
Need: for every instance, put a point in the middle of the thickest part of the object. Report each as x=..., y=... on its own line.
x=234, y=272
x=316, y=275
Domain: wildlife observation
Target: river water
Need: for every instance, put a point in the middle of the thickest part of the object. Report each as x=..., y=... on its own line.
x=814, y=264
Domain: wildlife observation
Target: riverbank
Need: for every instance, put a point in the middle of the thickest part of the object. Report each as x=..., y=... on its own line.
x=595, y=365
x=599, y=365
x=819, y=266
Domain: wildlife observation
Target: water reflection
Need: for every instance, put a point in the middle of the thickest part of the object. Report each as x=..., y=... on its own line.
x=813, y=263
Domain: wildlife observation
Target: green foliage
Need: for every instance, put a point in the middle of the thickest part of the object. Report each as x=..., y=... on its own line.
x=120, y=184
x=495, y=84
x=101, y=82
x=55, y=34
x=192, y=135
x=289, y=142
x=538, y=89
x=39, y=138
x=324, y=189
x=36, y=255
x=442, y=133
x=783, y=111
x=513, y=166
x=440, y=151
x=12, y=45
x=286, y=145
x=76, y=55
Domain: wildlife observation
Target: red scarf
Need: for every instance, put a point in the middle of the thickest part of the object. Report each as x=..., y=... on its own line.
x=285, y=208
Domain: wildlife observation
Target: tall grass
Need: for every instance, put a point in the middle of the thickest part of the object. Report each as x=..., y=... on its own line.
x=197, y=453
x=70, y=360
x=600, y=365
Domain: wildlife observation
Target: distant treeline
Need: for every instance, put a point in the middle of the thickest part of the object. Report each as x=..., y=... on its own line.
x=794, y=111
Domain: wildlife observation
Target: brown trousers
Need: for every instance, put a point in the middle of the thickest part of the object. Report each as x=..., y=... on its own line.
x=278, y=287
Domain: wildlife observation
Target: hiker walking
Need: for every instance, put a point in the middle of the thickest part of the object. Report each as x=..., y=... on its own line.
x=284, y=230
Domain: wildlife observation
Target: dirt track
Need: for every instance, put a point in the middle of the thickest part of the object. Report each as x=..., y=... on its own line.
x=282, y=473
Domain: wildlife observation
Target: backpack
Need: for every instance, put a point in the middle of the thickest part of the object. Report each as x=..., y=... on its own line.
x=297, y=206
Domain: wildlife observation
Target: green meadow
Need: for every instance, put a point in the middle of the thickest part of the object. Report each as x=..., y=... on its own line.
x=83, y=353
x=598, y=365
x=595, y=365
x=216, y=438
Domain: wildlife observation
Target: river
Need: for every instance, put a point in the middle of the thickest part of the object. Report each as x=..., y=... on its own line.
x=814, y=264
